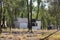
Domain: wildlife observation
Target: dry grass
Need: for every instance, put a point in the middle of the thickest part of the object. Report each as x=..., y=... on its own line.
x=38, y=34
x=56, y=36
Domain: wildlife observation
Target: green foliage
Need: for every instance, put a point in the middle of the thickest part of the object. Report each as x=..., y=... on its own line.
x=18, y=8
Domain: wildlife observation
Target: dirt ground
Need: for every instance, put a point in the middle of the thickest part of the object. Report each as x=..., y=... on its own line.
x=24, y=35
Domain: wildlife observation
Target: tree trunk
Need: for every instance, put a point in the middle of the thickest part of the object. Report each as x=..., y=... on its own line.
x=37, y=10
x=0, y=15
x=28, y=14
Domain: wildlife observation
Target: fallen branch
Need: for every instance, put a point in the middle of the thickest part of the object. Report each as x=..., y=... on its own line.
x=49, y=35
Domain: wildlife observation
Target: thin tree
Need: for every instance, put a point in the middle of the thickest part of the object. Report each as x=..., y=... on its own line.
x=0, y=15
x=28, y=14
x=38, y=2
x=30, y=28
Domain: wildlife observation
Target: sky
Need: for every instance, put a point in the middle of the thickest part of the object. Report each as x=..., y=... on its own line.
x=35, y=3
x=44, y=2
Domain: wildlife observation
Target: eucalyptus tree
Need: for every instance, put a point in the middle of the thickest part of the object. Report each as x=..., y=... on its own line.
x=28, y=14
x=30, y=27
x=13, y=8
x=54, y=11
x=0, y=15
x=38, y=2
